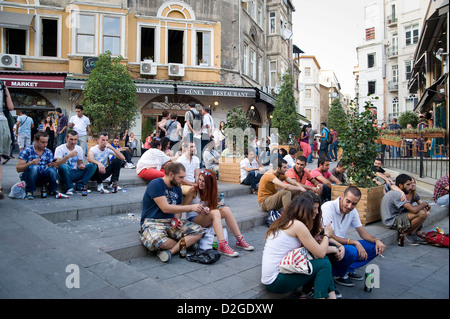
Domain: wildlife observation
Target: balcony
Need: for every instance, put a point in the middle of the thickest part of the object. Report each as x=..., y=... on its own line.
x=393, y=85
x=392, y=51
x=391, y=20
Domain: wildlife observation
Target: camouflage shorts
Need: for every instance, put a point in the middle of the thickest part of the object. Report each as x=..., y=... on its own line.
x=155, y=232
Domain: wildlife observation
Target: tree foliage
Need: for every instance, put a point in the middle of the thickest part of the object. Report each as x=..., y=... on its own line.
x=408, y=117
x=358, y=144
x=110, y=98
x=337, y=116
x=285, y=116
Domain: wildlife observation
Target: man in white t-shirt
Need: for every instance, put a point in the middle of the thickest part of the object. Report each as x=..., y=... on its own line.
x=70, y=165
x=343, y=214
x=207, y=131
x=290, y=158
x=192, y=165
x=251, y=170
x=99, y=155
x=82, y=125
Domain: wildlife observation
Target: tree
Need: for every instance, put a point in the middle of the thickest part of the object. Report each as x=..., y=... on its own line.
x=408, y=117
x=237, y=130
x=358, y=144
x=110, y=96
x=285, y=116
x=337, y=116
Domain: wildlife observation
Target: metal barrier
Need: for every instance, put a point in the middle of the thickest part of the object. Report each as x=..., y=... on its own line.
x=426, y=158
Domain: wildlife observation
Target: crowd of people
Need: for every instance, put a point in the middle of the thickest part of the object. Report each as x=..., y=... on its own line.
x=181, y=199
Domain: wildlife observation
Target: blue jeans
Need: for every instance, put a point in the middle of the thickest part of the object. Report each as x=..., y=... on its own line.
x=324, y=149
x=68, y=176
x=33, y=177
x=333, y=150
x=350, y=262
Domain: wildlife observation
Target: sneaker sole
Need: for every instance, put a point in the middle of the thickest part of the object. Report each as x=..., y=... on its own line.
x=246, y=248
x=235, y=254
x=344, y=284
x=164, y=256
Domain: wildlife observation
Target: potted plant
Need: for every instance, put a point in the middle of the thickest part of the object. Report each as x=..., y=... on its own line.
x=433, y=132
x=202, y=62
x=359, y=151
x=391, y=140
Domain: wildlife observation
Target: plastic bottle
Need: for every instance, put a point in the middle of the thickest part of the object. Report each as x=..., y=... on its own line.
x=222, y=199
x=183, y=249
x=215, y=244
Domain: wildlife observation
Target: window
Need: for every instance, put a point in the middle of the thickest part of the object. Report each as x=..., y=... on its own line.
x=16, y=41
x=111, y=35
x=408, y=70
x=412, y=34
x=371, y=87
x=395, y=73
x=253, y=63
x=260, y=69
x=395, y=107
x=259, y=17
x=307, y=93
x=371, y=60
x=175, y=46
x=273, y=73
x=147, y=43
x=370, y=34
x=246, y=53
x=203, y=47
x=307, y=71
x=308, y=114
x=272, y=22
x=85, y=36
x=49, y=37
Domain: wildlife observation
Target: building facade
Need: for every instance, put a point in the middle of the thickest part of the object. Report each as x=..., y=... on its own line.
x=177, y=52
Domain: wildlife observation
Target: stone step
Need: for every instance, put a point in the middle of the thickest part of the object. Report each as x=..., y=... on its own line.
x=118, y=235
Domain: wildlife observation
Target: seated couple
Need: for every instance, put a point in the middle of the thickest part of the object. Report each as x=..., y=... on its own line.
x=162, y=201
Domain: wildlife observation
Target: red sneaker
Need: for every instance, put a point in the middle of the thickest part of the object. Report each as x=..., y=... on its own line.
x=227, y=250
x=240, y=242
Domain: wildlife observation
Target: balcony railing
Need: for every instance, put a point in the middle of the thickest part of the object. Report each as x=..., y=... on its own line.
x=392, y=51
x=391, y=20
x=393, y=85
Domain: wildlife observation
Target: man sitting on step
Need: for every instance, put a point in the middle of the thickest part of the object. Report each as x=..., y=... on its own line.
x=161, y=205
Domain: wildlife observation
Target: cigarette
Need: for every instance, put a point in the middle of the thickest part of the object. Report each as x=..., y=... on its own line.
x=381, y=255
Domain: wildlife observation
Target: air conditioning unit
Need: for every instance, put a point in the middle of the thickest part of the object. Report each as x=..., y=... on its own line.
x=176, y=70
x=10, y=61
x=148, y=68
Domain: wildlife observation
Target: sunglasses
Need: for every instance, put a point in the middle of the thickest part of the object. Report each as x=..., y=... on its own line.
x=205, y=172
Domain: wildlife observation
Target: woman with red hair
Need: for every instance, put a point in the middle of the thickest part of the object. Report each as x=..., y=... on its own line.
x=206, y=194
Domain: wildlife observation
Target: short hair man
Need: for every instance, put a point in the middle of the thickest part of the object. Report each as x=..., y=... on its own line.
x=126, y=152
x=191, y=164
x=381, y=176
x=23, y=128
x=401, y=215
x=71, y=169
x=301, y=175
x=440, y=193
x=82, y=125
x=342, y=213
x=251, y=169
x=339, y=172
x=290, y=158
x=61, y=128
x=162, y=202
x=37, y=166
x=322, y=174
x=99, y=155
x=269, y=197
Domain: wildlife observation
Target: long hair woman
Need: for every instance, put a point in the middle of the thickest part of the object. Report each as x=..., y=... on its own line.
x=298, y=226
x=206, y=194
x=303, y=141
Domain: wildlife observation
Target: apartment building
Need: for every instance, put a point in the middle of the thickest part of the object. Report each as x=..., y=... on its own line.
x=177, y=52
x=386, y=49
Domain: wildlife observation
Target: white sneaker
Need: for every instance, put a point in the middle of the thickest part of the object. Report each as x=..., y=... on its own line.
x=69, y=191
x=118, y=187
x=129, y=165
x=100, y=189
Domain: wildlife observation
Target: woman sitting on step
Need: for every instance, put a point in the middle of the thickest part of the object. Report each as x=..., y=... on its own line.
x=206, y=194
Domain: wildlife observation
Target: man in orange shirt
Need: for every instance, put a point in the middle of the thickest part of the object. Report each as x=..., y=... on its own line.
x=301, y=175
x=269, y=197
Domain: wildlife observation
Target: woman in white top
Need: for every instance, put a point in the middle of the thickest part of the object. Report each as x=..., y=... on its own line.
x=298, y=226
x=206, y=194
x=150, y=165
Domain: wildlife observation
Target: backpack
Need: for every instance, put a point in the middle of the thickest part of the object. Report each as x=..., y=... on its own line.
x=197, y=117
x=329, y=137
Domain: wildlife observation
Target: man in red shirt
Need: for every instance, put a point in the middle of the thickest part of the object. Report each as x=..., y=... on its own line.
x=322, y=174
x=301, y=175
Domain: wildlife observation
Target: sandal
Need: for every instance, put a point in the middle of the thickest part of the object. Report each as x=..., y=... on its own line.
x=1, y=193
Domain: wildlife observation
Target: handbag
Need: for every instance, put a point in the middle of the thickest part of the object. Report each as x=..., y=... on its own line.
x=297, y=261
x=272, y=216
x=437, y=239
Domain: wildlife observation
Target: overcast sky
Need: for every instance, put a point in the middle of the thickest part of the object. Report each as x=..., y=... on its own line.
x=328, y=29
